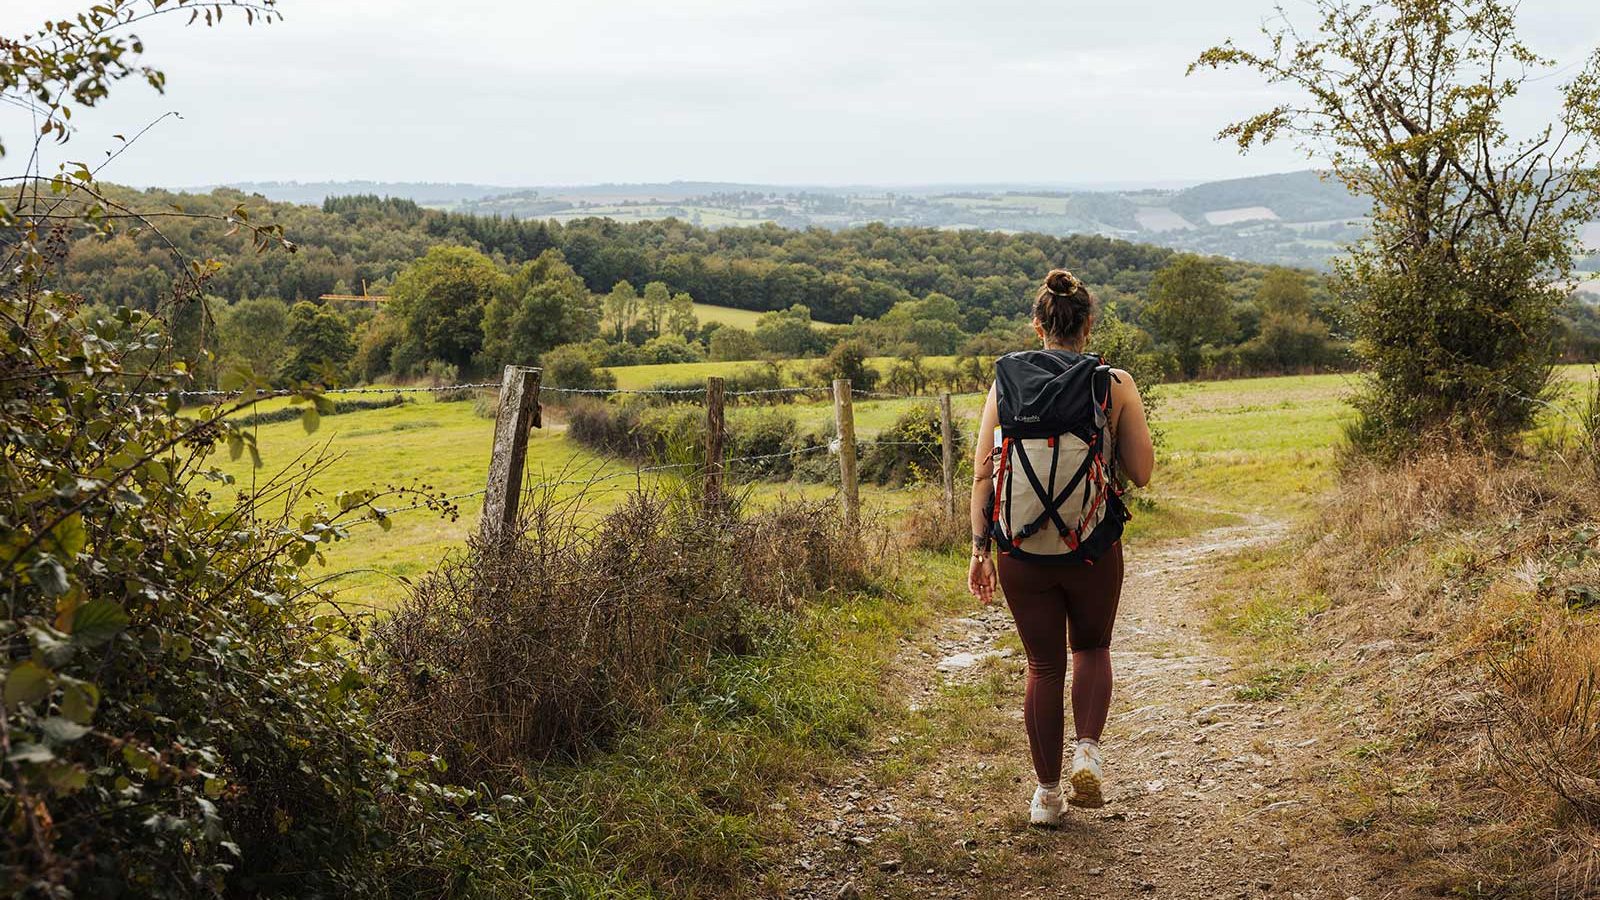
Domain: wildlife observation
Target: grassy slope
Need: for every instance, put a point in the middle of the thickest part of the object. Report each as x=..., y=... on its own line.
x=738, y=318
x=1427, y=610
x=726, y=315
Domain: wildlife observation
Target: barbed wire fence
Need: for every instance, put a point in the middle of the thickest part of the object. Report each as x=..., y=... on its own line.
x=518, y=412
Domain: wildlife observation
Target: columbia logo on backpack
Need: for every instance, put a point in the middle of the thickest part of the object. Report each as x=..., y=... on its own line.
x=1056, y=494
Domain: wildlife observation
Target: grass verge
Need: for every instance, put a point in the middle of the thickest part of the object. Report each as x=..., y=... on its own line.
x=1440, y=614
x=690, y=801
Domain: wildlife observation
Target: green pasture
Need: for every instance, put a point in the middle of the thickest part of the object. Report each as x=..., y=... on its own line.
x=1249, y=446
x=1264, y=445
x=726, y=315
x=641, y=377
x=738, y=318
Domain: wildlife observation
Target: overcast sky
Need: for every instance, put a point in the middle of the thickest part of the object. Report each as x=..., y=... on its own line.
x=769, y=91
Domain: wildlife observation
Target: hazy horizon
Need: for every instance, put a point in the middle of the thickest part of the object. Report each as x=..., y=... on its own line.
x=824, y=93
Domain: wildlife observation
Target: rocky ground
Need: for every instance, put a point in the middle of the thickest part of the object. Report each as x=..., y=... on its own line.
x=1207, y=790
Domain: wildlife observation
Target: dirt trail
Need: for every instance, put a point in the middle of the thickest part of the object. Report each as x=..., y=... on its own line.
x=1201, y=785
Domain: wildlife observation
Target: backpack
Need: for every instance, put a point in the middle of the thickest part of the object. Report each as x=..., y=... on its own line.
x=1056, y=498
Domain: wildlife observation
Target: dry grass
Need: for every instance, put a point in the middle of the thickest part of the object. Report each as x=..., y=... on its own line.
x=582, y=624
x=929, y=525
x=1444, y=607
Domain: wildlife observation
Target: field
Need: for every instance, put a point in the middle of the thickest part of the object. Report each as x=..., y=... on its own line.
x=642, y=377
x=727, y=315
x=1244, y=446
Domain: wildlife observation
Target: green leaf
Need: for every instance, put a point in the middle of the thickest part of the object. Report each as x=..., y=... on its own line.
x=50, y=646
x=66, y=778
x=49, y=575
x=31, y=753
x=235, y=446
x=61, y=730
x=310, y=419
x=324, y=405
x=98, y=621
x=28, y=682
x=79, y=699
x=137, y=758
x=215, y=787
x=69, y=538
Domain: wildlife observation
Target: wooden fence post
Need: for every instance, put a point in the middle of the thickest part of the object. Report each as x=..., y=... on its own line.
x=947, y=439
x=844, y=419
x=519, y=411
x=714, y=431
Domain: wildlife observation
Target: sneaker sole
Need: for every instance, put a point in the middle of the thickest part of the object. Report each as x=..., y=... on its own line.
x=1086, y=790
x=1046, y=821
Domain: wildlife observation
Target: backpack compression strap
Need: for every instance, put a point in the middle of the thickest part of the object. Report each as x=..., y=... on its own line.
x=1052, y=505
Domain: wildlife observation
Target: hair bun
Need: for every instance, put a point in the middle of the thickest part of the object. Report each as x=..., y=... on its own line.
x=1062, y=283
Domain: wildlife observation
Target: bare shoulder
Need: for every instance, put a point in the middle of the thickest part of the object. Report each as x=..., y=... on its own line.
x=1122, y=385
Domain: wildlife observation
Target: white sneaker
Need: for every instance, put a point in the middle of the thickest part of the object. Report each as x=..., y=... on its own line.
x=1086, y=777
x=1046, y=808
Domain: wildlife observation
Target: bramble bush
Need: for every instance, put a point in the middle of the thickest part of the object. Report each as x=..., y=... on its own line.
x=183, y=715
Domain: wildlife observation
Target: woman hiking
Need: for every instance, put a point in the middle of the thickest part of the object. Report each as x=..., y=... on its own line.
x=1057, y=428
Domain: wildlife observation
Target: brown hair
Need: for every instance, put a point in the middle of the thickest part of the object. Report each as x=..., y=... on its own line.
x=1063, y=307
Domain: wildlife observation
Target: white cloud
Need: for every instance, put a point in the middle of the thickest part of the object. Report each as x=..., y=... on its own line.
x=788, y=91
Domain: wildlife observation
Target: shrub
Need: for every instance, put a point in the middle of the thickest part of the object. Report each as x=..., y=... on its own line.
x=376, y=340
x=767, y=433
x=575, y=628
x=332, y=408
x=729, y=343
x=575, y=366
x=909, y=452
x=848, y=359
x=671, y=348
x=607, y=427
x=930, y=525
x=183, y=715
x=441, y=374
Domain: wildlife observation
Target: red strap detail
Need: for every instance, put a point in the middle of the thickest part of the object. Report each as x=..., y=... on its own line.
x=1000, y=477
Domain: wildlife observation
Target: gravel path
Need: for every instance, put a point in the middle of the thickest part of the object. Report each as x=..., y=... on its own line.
x=1206, y=792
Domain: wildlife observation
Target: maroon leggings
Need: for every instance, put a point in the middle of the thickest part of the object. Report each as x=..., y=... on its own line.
x=1054, y=606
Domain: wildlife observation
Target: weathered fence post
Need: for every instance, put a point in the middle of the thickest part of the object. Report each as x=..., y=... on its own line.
x=519, y=411
x=947, y=439
x=714, y=430
x=845, y=420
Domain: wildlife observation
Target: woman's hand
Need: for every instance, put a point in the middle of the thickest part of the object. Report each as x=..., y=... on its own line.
x=981, y=578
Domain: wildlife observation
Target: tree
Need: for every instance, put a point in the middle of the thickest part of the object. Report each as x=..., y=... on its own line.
x=1188, y=308
x=680, y=317
x=1122, y=345
x=655, y=306
x=545, y=304
x=252, y=335
x=441, y=298
x=848, y=359
x=671, y=348
x=319, y=345
x=1289, y=336
x=788, y=333
x=621, y=308
x=730, y=343
x=1455, y=288
x=375, y=340
x=1284, y=292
